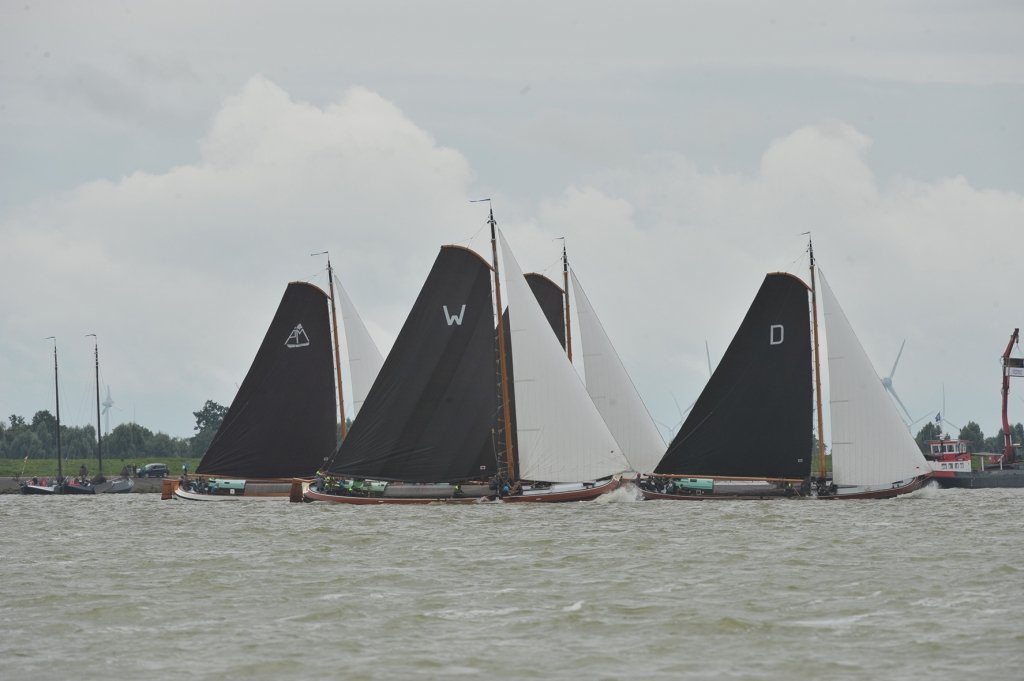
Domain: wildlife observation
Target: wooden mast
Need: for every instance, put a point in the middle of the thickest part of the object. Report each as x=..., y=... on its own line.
x=337, y=344
x=99, y=433
x=817, y=363
x=56, y=390
x=502, y=361
x=568, y=322
x=337, y=351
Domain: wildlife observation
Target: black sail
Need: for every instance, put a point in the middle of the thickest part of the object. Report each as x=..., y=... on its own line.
x=283, y=420
x=753, y=418
x=549, y=296
x=434, y=401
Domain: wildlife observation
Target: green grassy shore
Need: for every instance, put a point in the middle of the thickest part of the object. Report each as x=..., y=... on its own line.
x=10, y=468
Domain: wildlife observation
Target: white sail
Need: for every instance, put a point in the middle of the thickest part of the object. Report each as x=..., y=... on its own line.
x=364, y=359
x=613, y=392
x=871, y=446
x=561, y=435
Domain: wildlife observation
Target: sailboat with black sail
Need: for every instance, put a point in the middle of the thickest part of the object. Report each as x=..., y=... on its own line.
x=282, y=424
x=438, y=424
x=749, y=433
x=424, y=431
x=764, y=384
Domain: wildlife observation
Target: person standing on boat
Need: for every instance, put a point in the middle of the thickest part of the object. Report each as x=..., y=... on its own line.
x=83, y=472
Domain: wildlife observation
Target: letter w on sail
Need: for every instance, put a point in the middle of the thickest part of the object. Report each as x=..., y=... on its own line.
x=454, y=319
x=297, y=338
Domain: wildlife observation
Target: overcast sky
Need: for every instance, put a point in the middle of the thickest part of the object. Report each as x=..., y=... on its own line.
x=166, y=169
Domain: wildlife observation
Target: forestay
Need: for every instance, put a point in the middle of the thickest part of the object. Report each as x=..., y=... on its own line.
x=561, y=435
x=364, y=359
x=871, y=446
x=613, y=392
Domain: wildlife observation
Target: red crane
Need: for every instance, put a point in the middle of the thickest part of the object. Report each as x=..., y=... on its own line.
x=1011, y=367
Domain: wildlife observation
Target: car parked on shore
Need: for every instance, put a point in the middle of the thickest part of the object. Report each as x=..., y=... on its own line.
x=153, y=470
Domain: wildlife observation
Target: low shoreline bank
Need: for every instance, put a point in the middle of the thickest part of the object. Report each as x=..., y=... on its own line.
x=142, y=485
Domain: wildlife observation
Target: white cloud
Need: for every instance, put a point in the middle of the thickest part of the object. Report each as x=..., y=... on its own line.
x=672, y=256
x=180, y=271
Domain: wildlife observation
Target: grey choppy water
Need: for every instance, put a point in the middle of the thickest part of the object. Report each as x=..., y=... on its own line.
x=929, y=586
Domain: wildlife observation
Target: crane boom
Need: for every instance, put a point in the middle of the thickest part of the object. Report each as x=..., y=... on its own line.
x=1009, y=456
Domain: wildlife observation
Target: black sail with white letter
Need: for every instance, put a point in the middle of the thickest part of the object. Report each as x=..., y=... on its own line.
x=434, y=401
x=283, y=420
x=753, y=418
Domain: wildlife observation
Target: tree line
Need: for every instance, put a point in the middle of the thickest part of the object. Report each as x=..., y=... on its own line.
x=37, y=439
x=972, y=433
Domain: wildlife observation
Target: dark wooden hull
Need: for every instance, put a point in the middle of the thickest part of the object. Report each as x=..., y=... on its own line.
x=586, y=494
x=254, y=489
x=312, y=495
x=916, y=484
x=650, y=495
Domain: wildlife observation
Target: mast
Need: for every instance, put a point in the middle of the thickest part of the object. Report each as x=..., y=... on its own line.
x=56, y=391
x=503, y=362
x=1008, y=454
x=99, y=434
x=565, y=288
x=337, y=346
x=817, y=363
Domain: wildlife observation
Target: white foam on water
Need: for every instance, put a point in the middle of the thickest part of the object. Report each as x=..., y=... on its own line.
x=930, y=490
x=575, y=607
x=626, y=494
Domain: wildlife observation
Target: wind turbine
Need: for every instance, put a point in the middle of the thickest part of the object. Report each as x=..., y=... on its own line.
x=940, y=418
x=887, y=383
x=108, y=404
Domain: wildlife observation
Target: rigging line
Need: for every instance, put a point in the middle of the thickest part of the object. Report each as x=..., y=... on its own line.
x=309, y=277
x=798, y=260
x=470, y=239
x=557, y=261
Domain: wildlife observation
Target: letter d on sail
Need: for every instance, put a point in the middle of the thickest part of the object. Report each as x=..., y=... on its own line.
x=778, y=333
x=454, y=319
x=297, y=338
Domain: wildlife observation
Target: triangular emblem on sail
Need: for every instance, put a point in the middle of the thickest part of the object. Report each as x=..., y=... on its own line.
x=870, y=445
x=283, y=421
x=613, y=391
x=297, y=338
x=560, y=434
